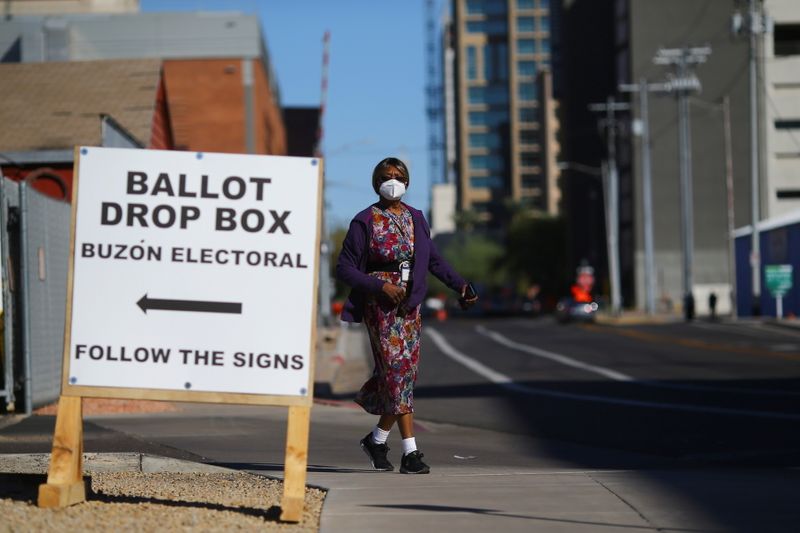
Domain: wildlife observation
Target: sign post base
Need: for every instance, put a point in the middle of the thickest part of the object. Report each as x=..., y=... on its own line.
x=294, y=474
x=65, y=484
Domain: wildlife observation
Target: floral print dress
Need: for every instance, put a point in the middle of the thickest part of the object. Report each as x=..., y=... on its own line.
x=394, y=339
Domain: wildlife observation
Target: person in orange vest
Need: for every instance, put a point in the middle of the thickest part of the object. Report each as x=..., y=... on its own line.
x=579, y=294
x=584, y=282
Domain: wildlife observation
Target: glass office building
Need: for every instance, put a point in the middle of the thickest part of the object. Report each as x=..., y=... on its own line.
x=505, y=114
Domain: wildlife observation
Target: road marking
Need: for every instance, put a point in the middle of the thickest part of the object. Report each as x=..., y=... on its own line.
x=619, y=376
x=558, y=358
x=691, y=343
x=508, y=383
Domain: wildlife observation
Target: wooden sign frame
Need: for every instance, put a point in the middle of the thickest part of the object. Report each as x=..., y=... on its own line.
x=65, y=485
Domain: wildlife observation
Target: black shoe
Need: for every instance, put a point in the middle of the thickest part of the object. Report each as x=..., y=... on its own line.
x=412, y=464
x=377, y=454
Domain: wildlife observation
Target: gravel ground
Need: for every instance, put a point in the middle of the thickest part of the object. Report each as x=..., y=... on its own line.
x=127, y=501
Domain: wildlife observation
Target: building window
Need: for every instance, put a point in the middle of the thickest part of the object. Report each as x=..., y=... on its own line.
x=544, y=4
x=531, y=181
x=474, y=7
x=528, y=159
x=527, y=91
x=787, y=39
x=525, y=24
x=524, y=4
x=477, y=118
x=534, y=202
x=484, y=140
x=488, y=118
x=528, y=114
x=528, y=137
x=495, y=61
x=486, y=7
x=489, y=26
x=788, y=194
x=544, y=46
x=497, y=95
x=486, y=162
x=480, y=207
x=488, y=63
x=526, y=46
x=544, y=23
x=787, y=124
x=472, y=63
x=526, y=69
x=486, y=182
x=477, y=95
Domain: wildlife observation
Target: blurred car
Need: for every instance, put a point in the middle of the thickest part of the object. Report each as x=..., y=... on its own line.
x=570, y=310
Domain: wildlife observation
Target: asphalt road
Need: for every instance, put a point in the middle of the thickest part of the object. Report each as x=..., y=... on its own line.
x=700, y=393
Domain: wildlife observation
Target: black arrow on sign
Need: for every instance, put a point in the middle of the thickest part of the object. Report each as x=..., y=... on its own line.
x=189, y=305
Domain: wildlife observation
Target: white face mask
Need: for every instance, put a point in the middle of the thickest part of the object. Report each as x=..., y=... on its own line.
x=393, y=189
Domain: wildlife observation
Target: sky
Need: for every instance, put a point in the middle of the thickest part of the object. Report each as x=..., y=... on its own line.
x=376, y=85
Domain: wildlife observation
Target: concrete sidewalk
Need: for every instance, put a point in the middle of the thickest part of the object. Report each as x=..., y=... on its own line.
x=480, y=481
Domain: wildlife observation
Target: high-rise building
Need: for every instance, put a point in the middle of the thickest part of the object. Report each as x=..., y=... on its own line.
x=502, y=101
x=781, y=108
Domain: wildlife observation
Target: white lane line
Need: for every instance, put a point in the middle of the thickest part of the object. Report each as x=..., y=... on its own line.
x=508, y=383
x=618, y=376
x=558, y=358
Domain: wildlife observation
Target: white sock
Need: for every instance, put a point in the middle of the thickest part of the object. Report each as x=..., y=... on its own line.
x=409, y=445
x=379, y=436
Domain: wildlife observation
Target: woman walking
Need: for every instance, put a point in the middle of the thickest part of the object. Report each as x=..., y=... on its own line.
x=385, y=259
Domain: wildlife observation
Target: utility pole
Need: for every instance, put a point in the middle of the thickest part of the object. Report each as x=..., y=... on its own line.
x=684, y=82
x=754, y=20
x=726, y=118
x=325, y=285
x=755, y=25
x=611, y=190
x=643, y=88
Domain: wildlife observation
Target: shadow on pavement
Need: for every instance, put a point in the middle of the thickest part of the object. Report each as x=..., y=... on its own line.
x=278, y=467
x=676, y=419
x=723, y=447
x=494, y=512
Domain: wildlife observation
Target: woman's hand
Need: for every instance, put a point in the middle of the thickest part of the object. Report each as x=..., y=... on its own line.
x=395, y=294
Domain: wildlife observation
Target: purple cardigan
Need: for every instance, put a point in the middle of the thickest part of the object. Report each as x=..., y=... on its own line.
x=352, y=265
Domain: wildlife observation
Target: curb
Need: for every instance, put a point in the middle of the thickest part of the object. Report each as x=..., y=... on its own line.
x=37, y=463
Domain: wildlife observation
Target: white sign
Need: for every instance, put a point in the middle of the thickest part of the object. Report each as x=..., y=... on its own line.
x=193, y=272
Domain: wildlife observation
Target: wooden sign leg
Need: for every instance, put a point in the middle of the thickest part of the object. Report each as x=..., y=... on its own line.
x=294, y=470
x=65, y=475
